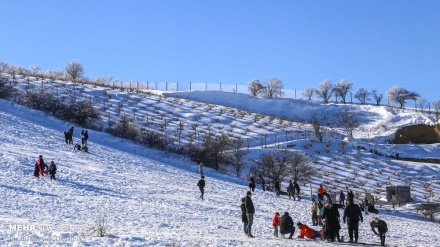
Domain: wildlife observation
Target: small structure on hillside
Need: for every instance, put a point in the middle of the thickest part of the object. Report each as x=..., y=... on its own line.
x=398, y=191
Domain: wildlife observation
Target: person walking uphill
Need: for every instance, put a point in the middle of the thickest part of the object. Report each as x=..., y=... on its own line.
x=250, y=211
x=352, y=215
x=314, y=211
x=286, y=225
x=201, y=185
x=381, y=227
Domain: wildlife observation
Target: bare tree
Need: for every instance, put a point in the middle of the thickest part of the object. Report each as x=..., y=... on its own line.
x=215, y=148
x=400, y=95
x=436, y=105
x=377, y=96
x=349, y=121
x=273, y=164
x=342, y=88
x=309, y=92
x=316, y=126
x=300, y=167
x=34, y=69
x=255, y=87
x=274, y=87
x=239, y=152
x=74, y=70
x=362, y=95
x=325, y=90
x=5, y=88
x=421, y=103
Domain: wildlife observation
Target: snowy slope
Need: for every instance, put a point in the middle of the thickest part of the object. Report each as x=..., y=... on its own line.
x=150, y=199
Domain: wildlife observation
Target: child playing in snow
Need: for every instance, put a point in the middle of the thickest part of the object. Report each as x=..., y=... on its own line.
x=276, y=223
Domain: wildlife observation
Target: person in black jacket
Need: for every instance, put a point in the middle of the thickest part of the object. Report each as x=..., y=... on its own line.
x=201, y=185
x=244, y=218
x=332, y=219
x=286, y=225
x=297, y=189
x=71, y=135
x=86, y=137
x=52, y=170
x=250, y=211
x=352, y=215
x=277, y=187
x=251, y=184
x=381, y=227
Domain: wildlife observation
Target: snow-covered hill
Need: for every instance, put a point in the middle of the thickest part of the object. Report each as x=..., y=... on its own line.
x=150, y=199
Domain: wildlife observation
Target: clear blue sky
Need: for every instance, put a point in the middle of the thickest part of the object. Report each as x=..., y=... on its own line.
x=374, y=44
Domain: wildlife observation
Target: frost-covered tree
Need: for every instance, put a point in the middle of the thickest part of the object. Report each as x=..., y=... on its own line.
x=342, y=88
x=309, y=92
x=34, y=70
x=400, y=95
x=273, y=87
x=362, y=95
x=436, y=106
x=421, y=103
x=255, y=87
x=377, y=96
x=325, y=90
x=74, y=70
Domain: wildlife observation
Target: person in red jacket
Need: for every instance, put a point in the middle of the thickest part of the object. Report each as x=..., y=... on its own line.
x=276, y=223
x=305, y=231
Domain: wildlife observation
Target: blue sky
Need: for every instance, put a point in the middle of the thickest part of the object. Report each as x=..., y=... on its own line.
x=373, y=44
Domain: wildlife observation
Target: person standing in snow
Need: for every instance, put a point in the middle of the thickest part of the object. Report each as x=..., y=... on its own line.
x=291, y=190
x=201, y=185
x=342, y=198
x=40, y=166
x=297, y=190
x=82, y=138
x=262, y=182
x=66, y=137
x=70, y=132
x=320, y=212
x=86, y=137
x=277, y=187
x=381, y=227
x=332, y=218
x=250, y=211
x=352, y=215
x=201, y=169
x=286, y=225
x=321, y=193
x=52, y=170
x=314, y=211
x=251, y=184
x=244, y=218
x=275, y=223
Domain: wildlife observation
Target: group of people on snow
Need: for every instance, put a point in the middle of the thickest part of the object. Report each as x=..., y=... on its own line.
x=42, y=168
x=325, y=214
x=68, y=136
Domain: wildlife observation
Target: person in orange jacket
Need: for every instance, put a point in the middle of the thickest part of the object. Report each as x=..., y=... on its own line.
x=305, y=231
x=276, y=223
x=321, y=192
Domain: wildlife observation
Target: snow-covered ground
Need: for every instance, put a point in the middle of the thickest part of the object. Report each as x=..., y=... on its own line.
x=151, y=199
